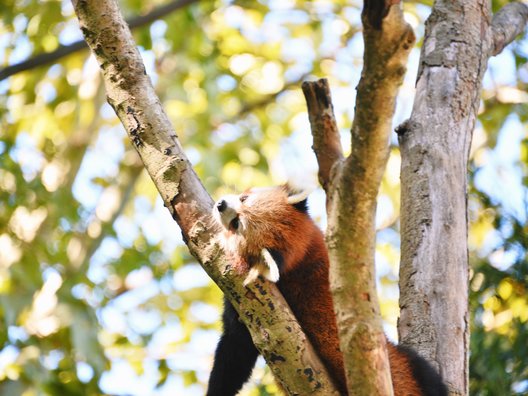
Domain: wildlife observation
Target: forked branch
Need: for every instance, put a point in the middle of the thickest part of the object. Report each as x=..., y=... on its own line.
x=507, y=24
x=352, y=186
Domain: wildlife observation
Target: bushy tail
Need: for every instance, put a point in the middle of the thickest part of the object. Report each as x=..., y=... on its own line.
x=428, y=378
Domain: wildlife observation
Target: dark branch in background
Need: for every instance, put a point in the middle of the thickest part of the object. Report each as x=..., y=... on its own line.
x=64, y=50
x=326, y=139
x=41, y=59
x=507, y=24
x=249, y=107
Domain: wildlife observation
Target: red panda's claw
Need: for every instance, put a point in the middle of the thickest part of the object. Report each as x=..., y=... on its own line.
x=251, y=276
x=272, y=270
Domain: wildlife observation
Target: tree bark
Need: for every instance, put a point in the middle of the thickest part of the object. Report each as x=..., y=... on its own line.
x=326, y=138
x=262, y=308
x=435, y=145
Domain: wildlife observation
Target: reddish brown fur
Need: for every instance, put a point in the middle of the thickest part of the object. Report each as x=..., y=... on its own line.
x=273, y=223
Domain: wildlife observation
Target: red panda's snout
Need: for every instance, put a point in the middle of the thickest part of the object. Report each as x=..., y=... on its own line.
x=226, y=212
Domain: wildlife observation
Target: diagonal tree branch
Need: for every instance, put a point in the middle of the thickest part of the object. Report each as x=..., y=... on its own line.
x=65, y=50
x=507, y=24
x=262, y=308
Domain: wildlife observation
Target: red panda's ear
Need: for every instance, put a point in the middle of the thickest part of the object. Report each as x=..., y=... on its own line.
x=297, y=198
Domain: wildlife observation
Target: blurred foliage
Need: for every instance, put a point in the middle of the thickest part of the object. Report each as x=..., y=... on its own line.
x=98, y=295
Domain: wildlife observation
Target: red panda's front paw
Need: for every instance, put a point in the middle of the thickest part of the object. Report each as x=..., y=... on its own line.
x=269, y=269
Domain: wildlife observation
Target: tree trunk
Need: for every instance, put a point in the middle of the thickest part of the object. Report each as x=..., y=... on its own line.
x=435, y=145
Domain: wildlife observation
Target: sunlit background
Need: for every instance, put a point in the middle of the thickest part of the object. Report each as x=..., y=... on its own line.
x=98, y=293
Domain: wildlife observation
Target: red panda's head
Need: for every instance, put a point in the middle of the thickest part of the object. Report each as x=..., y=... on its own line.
x=273, y=218
x=257, y=207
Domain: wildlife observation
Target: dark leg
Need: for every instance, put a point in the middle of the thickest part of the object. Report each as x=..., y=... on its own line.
x=234, y=358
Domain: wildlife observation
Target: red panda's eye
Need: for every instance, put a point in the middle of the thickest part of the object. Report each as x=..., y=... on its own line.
x=243, y=197
x=235, y=223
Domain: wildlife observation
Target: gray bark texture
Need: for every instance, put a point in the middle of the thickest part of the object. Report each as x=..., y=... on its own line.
x=435, y=143
x=262, y=308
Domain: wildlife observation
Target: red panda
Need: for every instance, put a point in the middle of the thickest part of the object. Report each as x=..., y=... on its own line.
x=269, y=232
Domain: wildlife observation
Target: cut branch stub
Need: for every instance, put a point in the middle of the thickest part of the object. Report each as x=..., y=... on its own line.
x=351, y=201
x=326, y=138
x=374, y=11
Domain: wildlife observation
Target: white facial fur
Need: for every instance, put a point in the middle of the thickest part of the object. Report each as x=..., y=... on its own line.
x=267, y=267
x=230, y=212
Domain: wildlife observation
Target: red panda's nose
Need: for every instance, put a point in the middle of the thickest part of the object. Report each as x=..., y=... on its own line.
x=221, y=205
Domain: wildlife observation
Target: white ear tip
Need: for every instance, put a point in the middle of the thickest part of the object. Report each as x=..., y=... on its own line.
x=293, y=199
